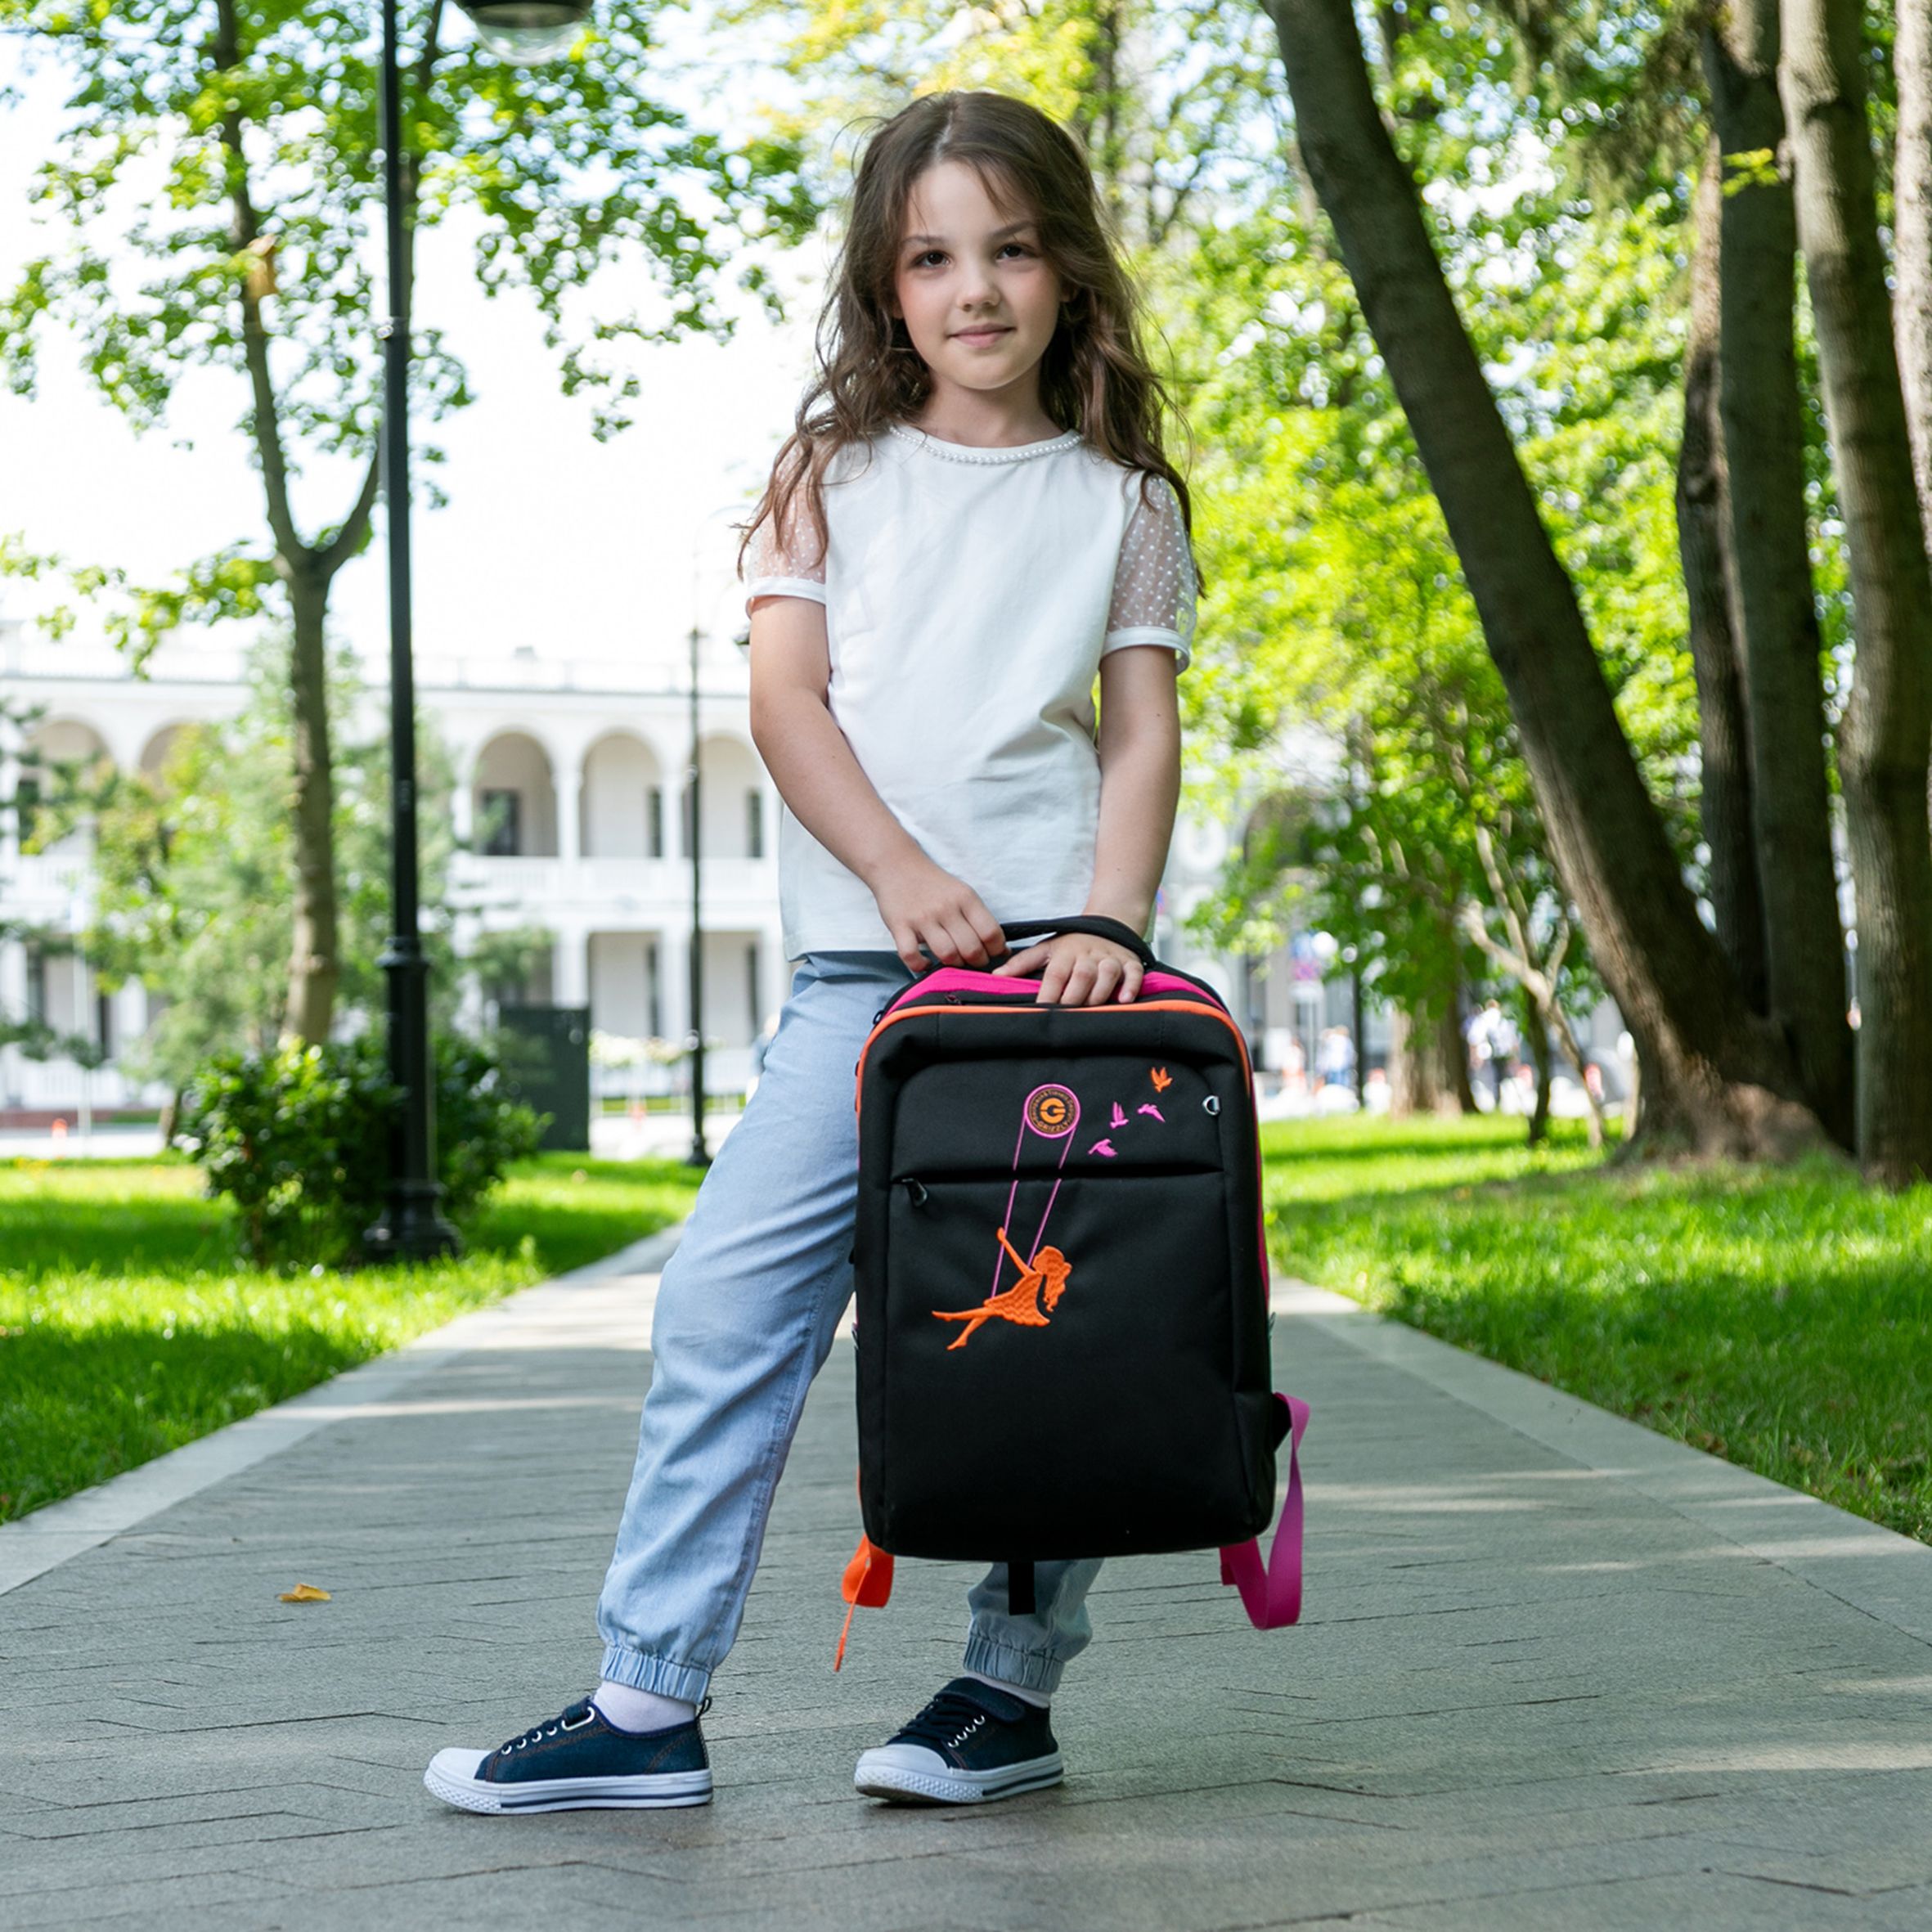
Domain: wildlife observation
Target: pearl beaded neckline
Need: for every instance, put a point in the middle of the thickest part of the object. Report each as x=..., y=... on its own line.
x=962, y=452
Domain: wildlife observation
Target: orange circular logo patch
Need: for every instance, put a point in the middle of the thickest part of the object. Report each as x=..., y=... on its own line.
x=1052, y=1112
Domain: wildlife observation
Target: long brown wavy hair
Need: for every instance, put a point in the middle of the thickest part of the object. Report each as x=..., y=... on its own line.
x=1093, y=377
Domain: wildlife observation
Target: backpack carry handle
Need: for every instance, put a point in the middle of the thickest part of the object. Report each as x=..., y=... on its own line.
x=1097, y=924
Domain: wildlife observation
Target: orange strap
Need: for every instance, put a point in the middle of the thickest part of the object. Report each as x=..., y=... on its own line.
x=868, y=1580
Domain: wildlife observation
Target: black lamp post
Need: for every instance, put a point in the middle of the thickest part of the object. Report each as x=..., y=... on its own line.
x=700, y=1155
x=693, y=824
x=1354, y=968
x=412, y=1228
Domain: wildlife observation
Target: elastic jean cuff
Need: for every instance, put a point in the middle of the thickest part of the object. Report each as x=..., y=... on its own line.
x=659, y=1675
x=1029, y=1670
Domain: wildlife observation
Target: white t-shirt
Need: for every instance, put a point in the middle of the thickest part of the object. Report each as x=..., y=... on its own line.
x=970, y=595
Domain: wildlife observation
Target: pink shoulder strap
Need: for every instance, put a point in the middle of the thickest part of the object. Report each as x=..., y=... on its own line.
x=1271, y=1594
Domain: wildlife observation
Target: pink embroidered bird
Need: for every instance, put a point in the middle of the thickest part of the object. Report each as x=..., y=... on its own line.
x=1148, y=1106
x=1102, y=1147
x=1120, y=1119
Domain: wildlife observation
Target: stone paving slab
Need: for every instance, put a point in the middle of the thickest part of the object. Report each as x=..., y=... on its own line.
x=1553, y=1671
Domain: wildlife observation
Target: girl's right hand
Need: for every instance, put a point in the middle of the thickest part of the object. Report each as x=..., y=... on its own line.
x=921, y=901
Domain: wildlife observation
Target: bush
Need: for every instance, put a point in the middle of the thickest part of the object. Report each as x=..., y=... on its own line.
x=299, y=1139
x=479, y=1128
x=278, y=1134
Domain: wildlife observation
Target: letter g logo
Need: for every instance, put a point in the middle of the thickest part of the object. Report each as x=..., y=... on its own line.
x=1052, y=1112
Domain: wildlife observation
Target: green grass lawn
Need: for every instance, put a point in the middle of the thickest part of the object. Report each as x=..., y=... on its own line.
x=1781, y=1317
x=128, y=1328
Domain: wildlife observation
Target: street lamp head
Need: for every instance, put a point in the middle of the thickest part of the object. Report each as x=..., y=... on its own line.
x=526, y=31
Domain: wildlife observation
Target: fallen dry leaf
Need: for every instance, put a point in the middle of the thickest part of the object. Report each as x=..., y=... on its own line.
x=304, y=1593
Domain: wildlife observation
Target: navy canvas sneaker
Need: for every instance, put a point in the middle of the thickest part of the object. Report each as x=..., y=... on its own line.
x=579, y=1761
x=970, y=1744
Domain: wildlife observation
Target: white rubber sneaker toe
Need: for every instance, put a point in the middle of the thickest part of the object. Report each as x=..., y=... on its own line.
x=454, y=1777
x=911, y=1773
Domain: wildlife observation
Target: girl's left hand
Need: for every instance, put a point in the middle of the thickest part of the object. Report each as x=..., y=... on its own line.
x=1076, y=969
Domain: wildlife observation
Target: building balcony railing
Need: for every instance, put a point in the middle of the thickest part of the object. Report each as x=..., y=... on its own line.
x=47, y=879
x=58, y=1083
x=727, y=1070
x=42, y=885
x=748, y=886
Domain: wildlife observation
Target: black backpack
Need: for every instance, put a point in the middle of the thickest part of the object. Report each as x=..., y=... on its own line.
x=1062, y=1284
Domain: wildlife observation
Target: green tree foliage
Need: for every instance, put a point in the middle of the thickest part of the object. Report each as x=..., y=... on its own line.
x=1339, y=598
x=505, y=960
x=215, y=203
x=187, y=119
x=192, y=894
x=194, y=869
x=1338, y=601
x=1173, y=102
x=16, y=810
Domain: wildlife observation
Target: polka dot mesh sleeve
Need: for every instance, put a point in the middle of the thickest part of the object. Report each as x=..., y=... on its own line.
x=1154, y=582
x=786, y=564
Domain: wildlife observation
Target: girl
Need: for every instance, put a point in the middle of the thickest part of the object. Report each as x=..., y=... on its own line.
x=977, y=521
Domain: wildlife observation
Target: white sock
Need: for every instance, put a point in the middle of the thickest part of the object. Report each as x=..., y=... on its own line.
x=631, y=1709
x=1039, y=1699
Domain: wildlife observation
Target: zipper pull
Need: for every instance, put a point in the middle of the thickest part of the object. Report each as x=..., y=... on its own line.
x=915, y=1190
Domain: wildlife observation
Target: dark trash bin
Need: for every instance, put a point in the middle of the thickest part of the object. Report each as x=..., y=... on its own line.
x=546, y=1064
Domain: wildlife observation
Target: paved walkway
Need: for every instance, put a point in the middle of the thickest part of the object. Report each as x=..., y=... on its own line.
x=1554, y=1672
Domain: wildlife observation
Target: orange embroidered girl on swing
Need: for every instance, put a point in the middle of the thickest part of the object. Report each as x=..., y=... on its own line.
x=1049, y=1270
x=1052, y=1112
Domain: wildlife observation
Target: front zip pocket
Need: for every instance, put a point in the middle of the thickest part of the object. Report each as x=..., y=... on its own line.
x=1060, y=1326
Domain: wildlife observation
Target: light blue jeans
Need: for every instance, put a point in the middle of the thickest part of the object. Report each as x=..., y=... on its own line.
x=746, y=1312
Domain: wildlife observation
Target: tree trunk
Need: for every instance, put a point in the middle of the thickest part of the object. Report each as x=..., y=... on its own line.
x=1539, y=982
x=1408, y=1090
x=314, y=967
x=1537, y=1036
x=1912, y=202
x=1452, y=1055
x=1559, y=1022
x=1737, y=901
x=1887, y=730
x=1428, y=1068
x=1722, y=1081
x=1775, y=602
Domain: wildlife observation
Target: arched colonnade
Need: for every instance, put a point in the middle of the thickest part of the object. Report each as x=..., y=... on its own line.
x=619, y=795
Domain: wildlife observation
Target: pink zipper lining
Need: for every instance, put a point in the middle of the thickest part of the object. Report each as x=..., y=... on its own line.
x=968, y=979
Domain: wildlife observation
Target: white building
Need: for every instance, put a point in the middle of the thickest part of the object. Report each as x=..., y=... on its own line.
x=570, y=775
